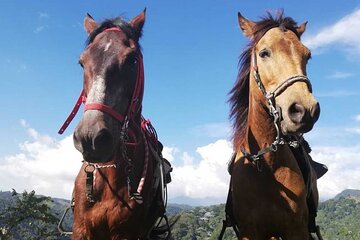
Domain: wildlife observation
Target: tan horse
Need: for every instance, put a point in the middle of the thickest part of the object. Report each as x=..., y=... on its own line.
x=119, y=191
x=272, y=105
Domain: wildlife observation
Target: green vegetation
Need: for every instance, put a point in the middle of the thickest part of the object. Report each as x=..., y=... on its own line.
x=339, y=219
x=201, y=223
x=26, y=216
x=30, y=217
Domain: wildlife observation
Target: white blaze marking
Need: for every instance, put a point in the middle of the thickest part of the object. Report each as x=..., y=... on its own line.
x=97, y=92
x=108, y=45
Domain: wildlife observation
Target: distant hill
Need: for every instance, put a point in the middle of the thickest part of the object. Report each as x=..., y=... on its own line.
x=339, y=218
x=348, y=193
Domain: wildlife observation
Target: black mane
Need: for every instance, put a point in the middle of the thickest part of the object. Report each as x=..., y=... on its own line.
x=116, y=22
x=239, y=94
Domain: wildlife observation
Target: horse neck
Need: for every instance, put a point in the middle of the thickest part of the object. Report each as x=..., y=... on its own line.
x=261, y=131
x=260, y=125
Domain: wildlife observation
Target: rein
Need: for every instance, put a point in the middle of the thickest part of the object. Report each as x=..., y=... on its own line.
x=274, y=111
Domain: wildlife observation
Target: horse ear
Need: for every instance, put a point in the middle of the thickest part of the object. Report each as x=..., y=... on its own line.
x=137, y=23
x=301, y=29
x=89, y=24
x=246, y=26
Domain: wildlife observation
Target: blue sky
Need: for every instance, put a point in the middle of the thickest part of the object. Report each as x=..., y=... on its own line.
x=191, y=51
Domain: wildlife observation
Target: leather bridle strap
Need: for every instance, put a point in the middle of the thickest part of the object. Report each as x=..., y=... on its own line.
x=282, y=87
x=71, y=116
x=138, y=88
x=290, y=81
x=105, y=108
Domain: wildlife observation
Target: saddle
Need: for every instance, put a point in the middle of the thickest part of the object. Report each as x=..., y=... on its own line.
x=306, y=163
x=161, y=177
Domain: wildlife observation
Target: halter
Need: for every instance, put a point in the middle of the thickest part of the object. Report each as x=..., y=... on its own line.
x=134, y=107
x=274, y=111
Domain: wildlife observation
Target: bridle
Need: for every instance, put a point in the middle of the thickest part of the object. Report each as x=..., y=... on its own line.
x=134, y=107
x=135, y=99
x=274, y=111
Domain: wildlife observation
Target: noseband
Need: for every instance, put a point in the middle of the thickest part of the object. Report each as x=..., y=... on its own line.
x=274, y=111
x=136, y=98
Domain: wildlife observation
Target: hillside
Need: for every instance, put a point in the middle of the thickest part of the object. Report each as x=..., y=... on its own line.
x=337, y=217
x=340, y=218
x=348, y=193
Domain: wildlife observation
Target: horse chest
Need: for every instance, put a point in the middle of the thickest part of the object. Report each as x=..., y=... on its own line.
x=277, y=193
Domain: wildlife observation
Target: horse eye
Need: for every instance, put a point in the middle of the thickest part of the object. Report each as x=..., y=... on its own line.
x=265, y=53
x=132, y=59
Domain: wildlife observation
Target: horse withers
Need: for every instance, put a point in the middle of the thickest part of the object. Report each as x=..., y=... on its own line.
x=120, y=191
x=273, y=182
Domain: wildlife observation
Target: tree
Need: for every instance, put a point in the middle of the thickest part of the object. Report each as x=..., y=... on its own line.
x=27, y=216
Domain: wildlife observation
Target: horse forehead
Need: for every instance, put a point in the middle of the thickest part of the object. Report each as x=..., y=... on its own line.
x=106, y=39
x=278, y=38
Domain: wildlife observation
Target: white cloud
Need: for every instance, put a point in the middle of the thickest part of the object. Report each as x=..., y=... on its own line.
x=39, y=29
x=43, y=15
x=344, y=169
x=45, y=165
x=169, y=152
x=343, y=31
x=187, y=159
x=338, y=93
x=355, y=129
x=340, y=75
x=49, y=167
x=357, y=118
x=206, y=179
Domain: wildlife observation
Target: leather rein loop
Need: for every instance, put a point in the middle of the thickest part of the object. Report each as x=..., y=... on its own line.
x=136, y=98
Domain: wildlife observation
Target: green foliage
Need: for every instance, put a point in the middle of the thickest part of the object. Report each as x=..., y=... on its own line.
x=30, y=217
x=201, y=223
x=339, y=219
x=27, y=216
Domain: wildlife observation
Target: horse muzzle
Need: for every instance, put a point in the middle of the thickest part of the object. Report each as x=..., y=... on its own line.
x=299, y=119
x=95, y=144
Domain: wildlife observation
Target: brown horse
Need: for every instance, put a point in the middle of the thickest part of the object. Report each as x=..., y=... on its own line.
x=117, y=194
x=272, y=106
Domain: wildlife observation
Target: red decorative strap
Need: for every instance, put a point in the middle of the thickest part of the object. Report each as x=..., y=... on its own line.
x=104, y=108
x=150, y=131
x=116, y=29
x=138, y=88
x=73, y=113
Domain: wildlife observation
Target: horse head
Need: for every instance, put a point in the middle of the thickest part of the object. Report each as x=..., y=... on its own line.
x=112, y=64
x=278, y=63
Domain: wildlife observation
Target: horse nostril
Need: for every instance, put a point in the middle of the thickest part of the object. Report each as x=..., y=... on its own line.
x=103, y=140
x=315, y=112
x=296, y=112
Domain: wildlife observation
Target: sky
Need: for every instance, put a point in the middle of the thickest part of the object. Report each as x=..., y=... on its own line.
x=191, y=51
